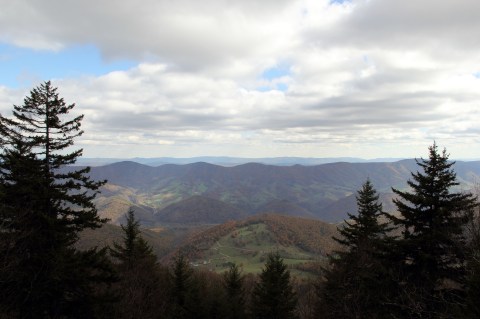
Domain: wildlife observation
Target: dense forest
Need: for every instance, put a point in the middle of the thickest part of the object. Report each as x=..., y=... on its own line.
x=422, y=262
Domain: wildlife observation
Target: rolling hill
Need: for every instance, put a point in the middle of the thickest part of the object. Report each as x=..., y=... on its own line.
x=302, y=242
x=230, y=161
x=322, y=191
x=284, y=207
x=161, y=240
x=246, y=242
x=199, y=209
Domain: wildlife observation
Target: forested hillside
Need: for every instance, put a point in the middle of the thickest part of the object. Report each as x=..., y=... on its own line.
x=325, y=191
x=247, y=242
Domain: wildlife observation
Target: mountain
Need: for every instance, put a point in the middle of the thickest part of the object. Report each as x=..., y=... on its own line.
x=301, y=242
x=161, y=240
x=230, y=161
x=246, y=242
x=284, y=207
x=348, y=204
x=319, y=190
x=199, y=209
x=115, y=201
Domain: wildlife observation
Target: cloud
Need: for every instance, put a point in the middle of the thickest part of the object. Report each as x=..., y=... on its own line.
x=399, y=25
x=188, y=34
x=265, y=76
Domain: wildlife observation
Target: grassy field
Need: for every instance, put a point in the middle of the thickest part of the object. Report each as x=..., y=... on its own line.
x=248, y=247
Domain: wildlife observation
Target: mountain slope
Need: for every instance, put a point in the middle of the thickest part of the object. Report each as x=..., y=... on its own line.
x=298, y=240
x=284, y=207
x=199, y=209
x=160, y=240
x=250, y=187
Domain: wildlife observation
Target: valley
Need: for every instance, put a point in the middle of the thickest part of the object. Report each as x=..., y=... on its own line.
x=219, y=215
x=207, y=193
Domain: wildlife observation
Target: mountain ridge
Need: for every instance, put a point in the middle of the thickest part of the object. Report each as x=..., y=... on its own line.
x=230, y=161
x=250, y=186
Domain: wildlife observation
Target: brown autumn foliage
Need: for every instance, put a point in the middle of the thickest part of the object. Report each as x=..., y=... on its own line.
x=311, y=235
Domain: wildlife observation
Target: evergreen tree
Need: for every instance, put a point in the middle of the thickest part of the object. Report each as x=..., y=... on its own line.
x=134, y=249
x=44, y=206
x=273, y=296
x=19, y=187
x=39, y=124
x=364, y=232
x=138, y=272
x=356, y=283
x=186, y=299
x=432, y=246
x=233, y=283
x=472, y=307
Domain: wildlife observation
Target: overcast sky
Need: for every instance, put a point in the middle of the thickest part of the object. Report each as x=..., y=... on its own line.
x=253, y=78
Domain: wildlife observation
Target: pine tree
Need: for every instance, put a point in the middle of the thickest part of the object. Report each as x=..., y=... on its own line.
x=233, y=284
x=432, y=246
x=273, y=296
x=138, y=272
x=355, y=284
x=365, y=231
x=472, y=307
x=20, y=187
x=39, y=124
x=44, y=206
x=134, y=249
x=186, y=299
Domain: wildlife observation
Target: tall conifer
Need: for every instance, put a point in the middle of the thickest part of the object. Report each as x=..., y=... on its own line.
x=364, y=231
x=355, y=283
x=235, y=292
x=273, y=296
x=44, y=206
x=432, y=219
x=186, y=303
x=139, y=278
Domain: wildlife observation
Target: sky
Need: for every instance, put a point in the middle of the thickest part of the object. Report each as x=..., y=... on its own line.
x=250, y=78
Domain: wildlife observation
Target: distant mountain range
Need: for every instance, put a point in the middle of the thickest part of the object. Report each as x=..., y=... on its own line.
x=210, y=194
x=231, y=161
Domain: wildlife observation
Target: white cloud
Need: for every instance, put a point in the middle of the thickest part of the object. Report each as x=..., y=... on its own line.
x=367, y=72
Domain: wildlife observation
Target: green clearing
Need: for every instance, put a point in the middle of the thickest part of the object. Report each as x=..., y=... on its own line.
x=248, y=247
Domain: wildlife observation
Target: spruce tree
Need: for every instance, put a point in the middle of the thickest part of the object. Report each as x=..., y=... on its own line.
x=45, y=204
x=139, y=279
x=185, y=291
x=134, y=248
x=432, y=247
x=273, y=296
x=20, y=187
x=472, y=307
x=235, y=293
x=355, y=284
x=364, y=231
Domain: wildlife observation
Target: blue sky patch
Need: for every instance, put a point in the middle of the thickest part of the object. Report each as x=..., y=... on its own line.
x=271, y=75
x=278, y=86
x=23, y=67
x=282, y=87
x=339, y=1
x=276, y=72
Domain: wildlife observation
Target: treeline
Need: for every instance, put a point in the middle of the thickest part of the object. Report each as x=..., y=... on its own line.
x=146, y=289
x=423, y=262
